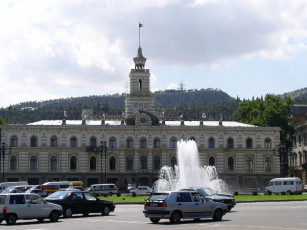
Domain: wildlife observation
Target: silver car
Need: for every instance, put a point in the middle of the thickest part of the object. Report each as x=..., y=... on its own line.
x=182, y=205
x=15, y=206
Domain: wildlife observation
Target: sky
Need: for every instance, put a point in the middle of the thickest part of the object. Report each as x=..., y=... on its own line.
x=57, y=49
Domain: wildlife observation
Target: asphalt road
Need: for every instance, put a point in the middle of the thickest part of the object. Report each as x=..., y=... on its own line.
x=266, y=215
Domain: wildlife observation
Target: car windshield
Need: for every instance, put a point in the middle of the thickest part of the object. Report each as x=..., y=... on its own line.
x=59, y=195
x=158, y=196
x=209, y=191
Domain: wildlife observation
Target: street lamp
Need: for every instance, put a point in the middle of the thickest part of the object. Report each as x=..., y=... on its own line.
x=106, y=150
x=282, y=154
x=2, y=155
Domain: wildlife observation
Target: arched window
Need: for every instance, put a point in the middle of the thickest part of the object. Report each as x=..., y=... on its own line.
x=33, y=163
x=156, y=143
x=193, y=139
x=143, y=143
x=93, y=163
x=53, y=163
x=129, y=143
x=73, y=163
x=157, y=163
x=268, y=164
x=13, y=141
x=73, y=142
x=249, y=164
x=53, y=141
x=13, y=163
x=249, y=143
x=112, y=142
x=230, y=163
x=267, y=143
x=112, y=163
x=211, y=161
x=230, y=143
x=93, y=142
x=211, y=143
x=129, y=163
x=173, y=142
x=173, y=161
x=34, y=141
x=143, y=161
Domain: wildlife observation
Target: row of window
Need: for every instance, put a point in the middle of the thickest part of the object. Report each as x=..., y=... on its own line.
x=129, y=163
x=143, y=142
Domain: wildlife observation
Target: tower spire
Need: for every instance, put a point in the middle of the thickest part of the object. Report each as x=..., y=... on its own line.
x=140, y=25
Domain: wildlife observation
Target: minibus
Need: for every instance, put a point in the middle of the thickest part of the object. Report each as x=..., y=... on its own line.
x=289, y=184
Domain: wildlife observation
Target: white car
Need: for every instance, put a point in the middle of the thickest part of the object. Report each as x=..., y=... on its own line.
x=142, y=190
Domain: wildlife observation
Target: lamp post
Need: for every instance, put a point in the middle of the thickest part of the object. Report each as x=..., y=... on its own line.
x=2, y=155
x=282, y=154
x=106, y=150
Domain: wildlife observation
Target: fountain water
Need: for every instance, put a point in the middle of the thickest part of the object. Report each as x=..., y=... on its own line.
x=188, y=172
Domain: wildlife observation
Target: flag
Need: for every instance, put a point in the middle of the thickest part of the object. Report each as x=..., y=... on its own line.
x=123, y=114
x=204, y=116
x=140, y=25
x=181, y=116
x=221, y=116
x=104, y=116
x=162, y=114
x=83, y=115
x=65, y=114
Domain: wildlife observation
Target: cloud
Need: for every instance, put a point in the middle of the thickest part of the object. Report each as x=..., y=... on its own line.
x=172, y=85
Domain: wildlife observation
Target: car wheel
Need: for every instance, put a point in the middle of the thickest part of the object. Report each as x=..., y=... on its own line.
x=85, y=214
x=105, y=211
x=175, y=217
x=154, y=220
x=67, y=212
x=11, y=219
x=218, y=214
x=229, y=208
x=40, y=219
x=54, y=216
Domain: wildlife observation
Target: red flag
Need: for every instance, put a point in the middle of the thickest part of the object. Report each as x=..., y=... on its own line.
x=140, y=25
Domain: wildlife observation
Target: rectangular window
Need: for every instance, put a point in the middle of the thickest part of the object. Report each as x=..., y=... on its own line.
x=278, y=183
x=17, y=199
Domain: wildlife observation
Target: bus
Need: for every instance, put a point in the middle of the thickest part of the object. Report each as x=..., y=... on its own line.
x=289, y=184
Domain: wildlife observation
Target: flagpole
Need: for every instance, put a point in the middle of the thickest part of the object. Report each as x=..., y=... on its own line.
x=139, y=35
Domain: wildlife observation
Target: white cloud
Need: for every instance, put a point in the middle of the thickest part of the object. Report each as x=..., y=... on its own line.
x=172, y=85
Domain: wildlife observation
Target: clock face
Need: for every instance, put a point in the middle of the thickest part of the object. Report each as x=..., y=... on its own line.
x=143, y=119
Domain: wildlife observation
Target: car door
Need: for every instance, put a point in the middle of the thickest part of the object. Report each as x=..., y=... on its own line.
x=185, y=204
x=17, y=205
x=36, y=207
x=79, y=203
x=93, y=205
x=202, y=208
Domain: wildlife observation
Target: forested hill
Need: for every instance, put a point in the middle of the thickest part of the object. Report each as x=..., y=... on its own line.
x=298, y=96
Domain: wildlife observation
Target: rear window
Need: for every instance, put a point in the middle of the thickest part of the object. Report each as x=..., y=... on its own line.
x=17, y=199
x=158, y=196
x=2, y=200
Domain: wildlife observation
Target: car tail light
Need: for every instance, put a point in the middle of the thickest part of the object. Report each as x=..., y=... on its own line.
x=163, y=205
x=4, y=209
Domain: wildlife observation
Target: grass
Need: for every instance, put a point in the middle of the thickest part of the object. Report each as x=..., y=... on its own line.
x=259, y=197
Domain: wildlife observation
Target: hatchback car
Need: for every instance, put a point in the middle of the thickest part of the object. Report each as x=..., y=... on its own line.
x=78, y=202
x=142, y=190
x=182, y=205
x=15, y=206
x=210, y=194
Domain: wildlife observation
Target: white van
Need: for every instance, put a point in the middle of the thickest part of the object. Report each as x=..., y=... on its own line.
x=102, y=189
x=61, y=184
x=288, y=184
x=5, y=185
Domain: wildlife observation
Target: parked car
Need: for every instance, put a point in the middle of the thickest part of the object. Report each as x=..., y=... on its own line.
x=5, y=185
x=102, y=189
x=212, y=195
x=79, y=202
x=142, y=190
x=18, y=206
x=37, y=191
x=182, y=205
x=131, y=187
x=11, y=189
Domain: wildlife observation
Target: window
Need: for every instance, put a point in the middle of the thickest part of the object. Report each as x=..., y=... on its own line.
x=34, y=141
x=112, y=163
x=157, y=164
x=73, y=163
x=305, y=139
x=267, y=143
x=93, y=142
x=73, y=142
x=54, y=141
x=93, y=163
x=211, y=161
x=173, y=142
x=193, y=139
x=249, y=164
x=17, y=199
x=173, y=162
x=143, y=161
x=143, y=143
x=230, y=143
x=53, y=163
x=211, y=143
x=33, y=163
x=249, y=143
x=112, y=142
x=299, y=140
x=129, y=143
x=13, y=163
x=129, y=163
x=184, y=197
x=13, y=141
x=230, y=163
x=156, y=143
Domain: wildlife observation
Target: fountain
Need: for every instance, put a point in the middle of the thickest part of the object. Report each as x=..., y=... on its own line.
x=188, y=172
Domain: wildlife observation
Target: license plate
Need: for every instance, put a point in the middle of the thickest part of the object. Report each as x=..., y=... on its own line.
x=153, y=204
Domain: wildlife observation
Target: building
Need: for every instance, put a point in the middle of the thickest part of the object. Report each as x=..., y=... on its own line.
x=142, y=142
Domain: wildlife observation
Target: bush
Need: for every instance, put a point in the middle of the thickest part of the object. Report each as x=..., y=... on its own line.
x=290, y=193
x=105, y=195
x=269, y=192
x=254, y=193
x=235, y=193
x=118, y=194
x=133, y=194
x=297, y=193
x=283, y=193
x=277, y=194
